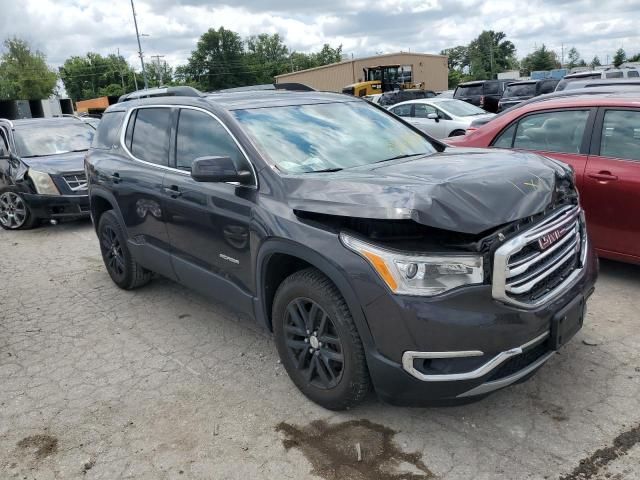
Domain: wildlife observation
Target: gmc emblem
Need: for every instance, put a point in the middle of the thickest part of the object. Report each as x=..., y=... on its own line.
x=549, y=239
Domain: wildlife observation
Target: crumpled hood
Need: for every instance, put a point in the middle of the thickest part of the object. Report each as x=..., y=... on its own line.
x=57, y=164
x=466, y=190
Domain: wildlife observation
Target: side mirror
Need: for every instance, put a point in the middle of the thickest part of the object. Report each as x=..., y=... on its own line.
x=217, y=169
x=433, y=116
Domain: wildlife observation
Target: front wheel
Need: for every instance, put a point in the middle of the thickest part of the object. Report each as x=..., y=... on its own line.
x=121, y=266
x=457, y=133
x=14, y=212
x=318, y=342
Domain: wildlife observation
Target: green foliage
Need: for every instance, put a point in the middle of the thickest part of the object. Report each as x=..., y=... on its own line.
x=573, y=57
x=635, y=58
x=267, y=55
x=595, y=62
x=159, y=74
x=540, y=59
x=94, y=76
x=24, y=74
x=619, y=58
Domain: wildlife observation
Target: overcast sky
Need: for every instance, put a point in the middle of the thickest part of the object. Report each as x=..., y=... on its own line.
x=61, y=28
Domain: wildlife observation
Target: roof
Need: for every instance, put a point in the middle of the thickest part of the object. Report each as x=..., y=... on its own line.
x=479, y=82
x=43, y=121
x=243, y=99
x=587, y=100
x=346, y=62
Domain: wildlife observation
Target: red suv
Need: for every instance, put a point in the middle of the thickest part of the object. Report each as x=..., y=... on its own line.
x=600, y=138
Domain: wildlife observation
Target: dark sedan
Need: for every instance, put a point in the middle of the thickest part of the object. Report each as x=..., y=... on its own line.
x=41, y=170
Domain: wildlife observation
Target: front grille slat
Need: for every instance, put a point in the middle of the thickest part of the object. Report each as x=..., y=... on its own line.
x=76, y=181
x=533, y=265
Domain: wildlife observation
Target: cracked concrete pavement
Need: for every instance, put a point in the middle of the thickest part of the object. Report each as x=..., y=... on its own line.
x=159, y=383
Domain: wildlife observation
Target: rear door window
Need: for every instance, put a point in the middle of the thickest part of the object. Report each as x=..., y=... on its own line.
x=557, y=131
x=423, y=111
x=403, y=110
x=468, y=90
x=633, y=74
x=491, y=88
x=621, y=134
x=151, y=135
x=613, y=75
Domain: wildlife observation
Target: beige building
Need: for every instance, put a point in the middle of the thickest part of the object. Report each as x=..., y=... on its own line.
x=430, y=70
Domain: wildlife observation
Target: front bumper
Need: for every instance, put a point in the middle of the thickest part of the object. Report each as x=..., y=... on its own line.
x=472, y=343
x=58, y=206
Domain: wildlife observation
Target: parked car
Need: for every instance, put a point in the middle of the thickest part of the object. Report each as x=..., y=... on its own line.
x=593, y=90
x=599, y=136
x=41, y=170
x=599, y=82
x=518, y=92
x=482, y=93
x=439, y=117
x=597, y=75
x=374, y=255
x=445, y=94
x=373, y=98
x=397, y=96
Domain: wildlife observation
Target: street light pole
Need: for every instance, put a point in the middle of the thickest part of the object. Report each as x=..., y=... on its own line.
x=135, y=22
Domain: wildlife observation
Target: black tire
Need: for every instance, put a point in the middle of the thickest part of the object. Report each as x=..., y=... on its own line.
x=12, y=220
x=125, y=272
x=349, y=380
x=457, y=133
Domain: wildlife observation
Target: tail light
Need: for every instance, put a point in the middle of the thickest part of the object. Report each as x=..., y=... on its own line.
x=482, y=100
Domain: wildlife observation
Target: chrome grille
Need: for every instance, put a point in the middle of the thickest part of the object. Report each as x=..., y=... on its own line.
x=76, y=181
x=538, y=264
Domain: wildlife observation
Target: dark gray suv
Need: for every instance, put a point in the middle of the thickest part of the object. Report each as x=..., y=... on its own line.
x=376, y=256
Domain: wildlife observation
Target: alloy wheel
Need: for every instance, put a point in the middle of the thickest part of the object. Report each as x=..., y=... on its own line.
x=112, y=250
x=13, y=211
x=313, y=343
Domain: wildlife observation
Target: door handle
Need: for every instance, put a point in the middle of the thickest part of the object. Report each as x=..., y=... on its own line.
x=173, y=191
x=603, y=176
x=115, y=177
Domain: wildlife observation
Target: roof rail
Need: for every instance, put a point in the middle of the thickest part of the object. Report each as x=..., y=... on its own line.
x=161, y=92
x=291, y=86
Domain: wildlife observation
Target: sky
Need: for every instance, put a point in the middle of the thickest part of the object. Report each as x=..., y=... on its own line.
x=62, y=28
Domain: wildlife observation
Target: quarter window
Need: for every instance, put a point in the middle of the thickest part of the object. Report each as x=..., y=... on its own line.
x=621, y=134
x=108, y=130
x=201, y=135
x=151, y=135
x=505, y=139
x=491, y=88
x=552, y=131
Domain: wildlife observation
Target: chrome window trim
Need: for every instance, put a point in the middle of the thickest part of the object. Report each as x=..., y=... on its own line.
x=409, y=357
x=125, y=124
x=563, y=215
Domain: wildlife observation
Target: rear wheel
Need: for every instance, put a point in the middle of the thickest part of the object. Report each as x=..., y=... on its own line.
x=457, y=133
x=14, y=212
x=318, y=342
x=121, y=266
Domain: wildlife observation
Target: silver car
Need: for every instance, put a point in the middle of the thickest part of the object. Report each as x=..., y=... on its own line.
x=439, y=117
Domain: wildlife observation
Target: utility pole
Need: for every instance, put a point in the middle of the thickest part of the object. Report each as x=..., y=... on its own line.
x=562, y=57
x=158, y=57
x=120, y=70
x=135, y=22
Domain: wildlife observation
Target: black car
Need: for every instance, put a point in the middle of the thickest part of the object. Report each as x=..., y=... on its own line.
x=518, y=92
x=482, y=93
x=397, y=96
x=42, y=171
x=377, y=256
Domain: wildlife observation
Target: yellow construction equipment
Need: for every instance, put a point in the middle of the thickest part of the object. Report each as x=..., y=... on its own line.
x=380, y=79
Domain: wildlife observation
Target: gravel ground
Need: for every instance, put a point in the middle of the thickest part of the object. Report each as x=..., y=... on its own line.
x=159, y=383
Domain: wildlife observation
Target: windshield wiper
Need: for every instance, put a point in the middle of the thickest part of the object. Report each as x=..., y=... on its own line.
x=398, y=157
x=325, y=170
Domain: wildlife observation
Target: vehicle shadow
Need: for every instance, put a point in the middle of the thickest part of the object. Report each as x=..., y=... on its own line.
x=620, y=271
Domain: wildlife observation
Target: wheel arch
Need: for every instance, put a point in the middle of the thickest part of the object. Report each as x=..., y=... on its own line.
x=277, y=259
x=101, y=202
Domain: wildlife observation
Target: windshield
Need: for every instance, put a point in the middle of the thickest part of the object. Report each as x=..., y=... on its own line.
x=330, y=136
x=523, y=90
x=463, y=91
x=53, y=139
x=458, y=108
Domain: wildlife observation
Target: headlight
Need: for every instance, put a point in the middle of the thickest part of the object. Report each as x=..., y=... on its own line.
x=418, y=274
x=43, y=183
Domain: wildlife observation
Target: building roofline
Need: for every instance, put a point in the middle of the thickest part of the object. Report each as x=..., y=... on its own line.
x=345, y=62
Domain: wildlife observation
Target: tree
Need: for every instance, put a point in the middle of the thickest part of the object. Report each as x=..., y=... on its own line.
x=24, y=73
x=159, y=73
x=94, y=76
x=619, y=58
x=540, y=59
x=267, y=55
x=327, y=55
x=490, y=54
x=574, y=58
x=219, y=61
x=635, y=58
x=595, y=62
x=457, y=57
